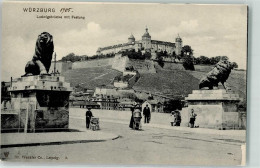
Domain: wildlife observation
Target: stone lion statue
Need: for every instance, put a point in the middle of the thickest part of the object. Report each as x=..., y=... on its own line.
x=219, y=73
x=41, y=61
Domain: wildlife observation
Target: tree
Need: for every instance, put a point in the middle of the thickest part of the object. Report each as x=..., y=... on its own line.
x=159, y=57
x=71, y=57
x=132, y=54
x=187, y=50
x=188, y=63
x=147, y=55
x=235, y=65
x=204, y=60
x=172, y=105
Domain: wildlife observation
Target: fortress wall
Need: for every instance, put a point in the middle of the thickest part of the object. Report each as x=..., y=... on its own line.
x=92, y=63
x=119, y=63
x=142, y=66
x=61, y=66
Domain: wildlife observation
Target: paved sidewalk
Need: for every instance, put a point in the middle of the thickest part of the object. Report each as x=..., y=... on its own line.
x=187, y=129
x=52, y=138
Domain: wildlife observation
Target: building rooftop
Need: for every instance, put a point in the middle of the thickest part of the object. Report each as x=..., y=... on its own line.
x=162, y=42
x=146, y=34
x=40, y=82
x=131, y=37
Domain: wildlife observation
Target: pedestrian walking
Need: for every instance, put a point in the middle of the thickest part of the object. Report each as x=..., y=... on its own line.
x=192, y=118
x=147, y=114
x=132, y=116
x=176, y=118
x=89, y=115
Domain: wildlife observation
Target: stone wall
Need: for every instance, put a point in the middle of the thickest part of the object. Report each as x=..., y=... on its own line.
x=231, y=120
x=142, y=66
x=208, y=116
x=17, y=118
x=61, y=67
x=93, y=63
x=38, y=117
x=213, y=116
x=214, y=108
x=120, y=62
x=121, y=84
x=52, y=118
x=9, y=121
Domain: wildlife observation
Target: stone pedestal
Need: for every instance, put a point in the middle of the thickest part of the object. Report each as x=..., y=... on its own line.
x=214, y=108
x=37, y=103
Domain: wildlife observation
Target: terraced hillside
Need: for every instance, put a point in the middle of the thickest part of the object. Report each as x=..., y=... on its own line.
x=167, y=82
x=91, y=77
x=175, y=83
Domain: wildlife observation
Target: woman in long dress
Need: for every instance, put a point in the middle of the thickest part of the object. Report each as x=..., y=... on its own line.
x=132, y=117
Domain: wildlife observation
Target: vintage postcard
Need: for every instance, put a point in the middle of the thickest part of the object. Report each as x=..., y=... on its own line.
x=124, y=83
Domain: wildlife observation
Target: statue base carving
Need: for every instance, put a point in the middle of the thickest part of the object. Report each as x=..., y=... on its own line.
x=214, y=108
x=38, y=103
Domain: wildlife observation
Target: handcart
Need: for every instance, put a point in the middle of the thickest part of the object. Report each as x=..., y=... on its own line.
x=94, y=124
x=137, y=119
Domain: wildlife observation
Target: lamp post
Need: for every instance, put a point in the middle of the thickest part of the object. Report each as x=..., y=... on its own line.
x=54, y=63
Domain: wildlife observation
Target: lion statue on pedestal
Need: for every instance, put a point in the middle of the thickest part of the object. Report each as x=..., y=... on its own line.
x=219, y=73
x=41, y=61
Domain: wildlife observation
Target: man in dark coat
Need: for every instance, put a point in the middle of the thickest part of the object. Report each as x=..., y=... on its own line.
x=147, y=114
x=88, y=117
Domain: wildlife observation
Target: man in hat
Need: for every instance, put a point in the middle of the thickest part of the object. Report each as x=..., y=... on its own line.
x=147, y=114
x=88, y=117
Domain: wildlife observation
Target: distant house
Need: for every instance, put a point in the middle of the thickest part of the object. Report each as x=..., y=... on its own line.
x=107, y=103
x=125, y=104
x=154, y=105
x=86, y=104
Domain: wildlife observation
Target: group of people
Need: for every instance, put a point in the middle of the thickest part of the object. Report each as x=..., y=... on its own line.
x=177, y=118
x=175, y=114
x=147, y=116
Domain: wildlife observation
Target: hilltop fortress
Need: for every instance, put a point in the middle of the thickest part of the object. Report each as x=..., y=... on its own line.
x=120, y=62
x=144, y=45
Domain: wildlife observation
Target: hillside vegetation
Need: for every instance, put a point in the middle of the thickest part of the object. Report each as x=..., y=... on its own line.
x=169, y=82
x=91, y=77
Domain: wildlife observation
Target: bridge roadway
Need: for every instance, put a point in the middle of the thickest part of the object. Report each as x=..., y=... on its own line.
x=149, y=146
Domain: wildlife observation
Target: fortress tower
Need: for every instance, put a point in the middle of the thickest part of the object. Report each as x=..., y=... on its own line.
x=131, y=39
x=178, y=44
x=146, y=40
x=146, y=44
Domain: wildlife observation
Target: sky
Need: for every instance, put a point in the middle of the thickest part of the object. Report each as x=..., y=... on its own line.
x=210, y=30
